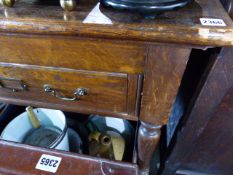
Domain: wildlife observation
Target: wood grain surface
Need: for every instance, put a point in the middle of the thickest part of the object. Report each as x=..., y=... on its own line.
x=163, y=73
x=107, y=92
x=20, y=159
x=108, y=52
x=92, y=20
x=76, y=53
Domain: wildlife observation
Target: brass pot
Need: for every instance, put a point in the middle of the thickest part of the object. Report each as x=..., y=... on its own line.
x=7, y=3
x=67, y=5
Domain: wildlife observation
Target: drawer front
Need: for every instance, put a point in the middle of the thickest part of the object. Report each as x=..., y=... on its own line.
x=22, y=159
x=82, y=54
x=107, y=93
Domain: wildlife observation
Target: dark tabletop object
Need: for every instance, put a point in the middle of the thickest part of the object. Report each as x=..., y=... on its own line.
x=146, y=7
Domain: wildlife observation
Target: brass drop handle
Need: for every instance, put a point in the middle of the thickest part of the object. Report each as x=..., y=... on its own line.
x=78, y=93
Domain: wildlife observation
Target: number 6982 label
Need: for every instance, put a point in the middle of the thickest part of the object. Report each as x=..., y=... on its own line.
x=48, y=163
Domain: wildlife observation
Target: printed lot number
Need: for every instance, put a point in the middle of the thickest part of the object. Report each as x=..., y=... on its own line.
x=212, y=22
x=48, y=163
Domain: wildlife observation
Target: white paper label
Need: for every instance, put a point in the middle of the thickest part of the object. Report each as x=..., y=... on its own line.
x=48, y=163
x=97, y=17
x=212, y=22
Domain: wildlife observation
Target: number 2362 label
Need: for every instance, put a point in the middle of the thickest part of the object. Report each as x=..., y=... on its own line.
x=48, y=163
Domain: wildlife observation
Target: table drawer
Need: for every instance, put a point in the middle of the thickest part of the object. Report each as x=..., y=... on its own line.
x=107, y=93
x=82, y=54
x=20, y=159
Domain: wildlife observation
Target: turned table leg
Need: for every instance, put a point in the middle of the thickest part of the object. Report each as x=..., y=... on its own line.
x=148, y=138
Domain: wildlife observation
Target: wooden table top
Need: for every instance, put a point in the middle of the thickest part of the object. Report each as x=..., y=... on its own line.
x=90, y=19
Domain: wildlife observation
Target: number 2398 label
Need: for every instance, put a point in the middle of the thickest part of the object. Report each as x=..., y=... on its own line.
x=48, y=163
